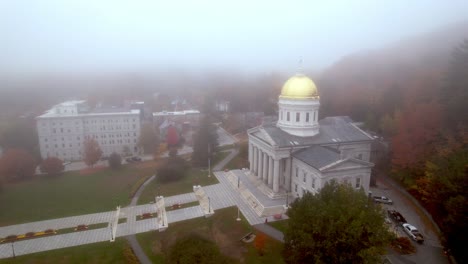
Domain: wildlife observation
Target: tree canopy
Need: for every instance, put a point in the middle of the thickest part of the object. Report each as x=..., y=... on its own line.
x=337, y=225
x=149, y=139
x=52, y=166
x=205, y=142
x=115, y=161
x=17, y=164
x=92, y=151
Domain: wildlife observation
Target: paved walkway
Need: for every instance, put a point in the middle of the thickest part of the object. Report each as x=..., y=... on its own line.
x=222, y=195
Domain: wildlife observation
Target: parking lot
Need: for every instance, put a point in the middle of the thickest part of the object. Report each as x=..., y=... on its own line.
x=431, y=250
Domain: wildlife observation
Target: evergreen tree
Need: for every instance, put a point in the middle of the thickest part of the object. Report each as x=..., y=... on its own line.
x=205, y=142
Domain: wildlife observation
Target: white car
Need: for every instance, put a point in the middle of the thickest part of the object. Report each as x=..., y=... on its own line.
x=413, y=233
x=382, y=199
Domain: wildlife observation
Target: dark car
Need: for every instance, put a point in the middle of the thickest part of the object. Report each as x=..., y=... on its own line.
x=396, y=216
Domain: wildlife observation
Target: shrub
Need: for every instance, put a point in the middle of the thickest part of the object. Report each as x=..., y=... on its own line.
x=115, y=161
x=174, y=170
x=194, y=249
x=52, y=166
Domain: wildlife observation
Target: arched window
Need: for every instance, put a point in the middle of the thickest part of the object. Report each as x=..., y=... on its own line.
x=287, y=116
x=298, y=117
x=307, y=117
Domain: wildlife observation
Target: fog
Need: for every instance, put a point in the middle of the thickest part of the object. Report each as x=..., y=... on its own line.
x=89, y=36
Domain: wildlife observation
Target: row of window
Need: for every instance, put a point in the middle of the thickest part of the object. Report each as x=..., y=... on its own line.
x=298, y=116
x=95, y=136
x=104, y=142
x=92, y=121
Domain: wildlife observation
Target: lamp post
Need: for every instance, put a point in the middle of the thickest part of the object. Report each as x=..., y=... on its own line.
x=13, y=248
x=112, y=235
x=209, y=161
x=238, y=214
x=209, y=205
x=238, y=181
x=287, y=199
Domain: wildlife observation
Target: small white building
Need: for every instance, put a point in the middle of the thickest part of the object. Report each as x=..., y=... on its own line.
x=63, y=129
x=300, y=153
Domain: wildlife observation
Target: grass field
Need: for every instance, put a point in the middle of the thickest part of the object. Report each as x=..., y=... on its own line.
x=221, y=228
x=97, y=253
x=72, y=193
x=185, y=185
x=280, y=225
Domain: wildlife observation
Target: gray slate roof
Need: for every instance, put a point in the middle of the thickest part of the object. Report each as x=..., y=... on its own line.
x=333, y=130
x=317, y=156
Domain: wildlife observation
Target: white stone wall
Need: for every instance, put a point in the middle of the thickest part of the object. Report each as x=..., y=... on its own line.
x=63, y=137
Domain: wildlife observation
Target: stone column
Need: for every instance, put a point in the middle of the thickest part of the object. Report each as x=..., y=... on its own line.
x=276, y=176
x=254, y=158
x=250, y=156
x=265, y=166
x=287, y=185
x=260, y=164
x=270, y=173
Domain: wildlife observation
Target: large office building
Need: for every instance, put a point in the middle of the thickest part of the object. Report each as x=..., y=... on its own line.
x=299, y=153
x=63, y=129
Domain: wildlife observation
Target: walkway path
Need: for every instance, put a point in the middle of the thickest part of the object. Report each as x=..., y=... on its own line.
x=222, y=195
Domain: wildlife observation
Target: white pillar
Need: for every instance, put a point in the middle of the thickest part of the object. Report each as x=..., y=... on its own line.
x=265, y=166
x=260, y=164
x=287, y=185
x=276, y=176
x=269, y=178
x=250, y=156
x=254, y=163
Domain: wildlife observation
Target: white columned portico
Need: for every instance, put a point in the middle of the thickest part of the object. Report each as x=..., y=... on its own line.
x=255, y=149
x=287, y=184
x=269, y=178
x=265, y=166
x=276, y=167
x=260, y=164
x=250, y=156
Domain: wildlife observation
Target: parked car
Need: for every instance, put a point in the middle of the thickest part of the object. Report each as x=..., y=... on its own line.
x=413, y=233
x=396, y=216
x=382, y=199
x=133, y=159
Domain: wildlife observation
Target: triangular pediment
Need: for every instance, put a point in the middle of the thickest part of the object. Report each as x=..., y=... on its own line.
x=260, y=133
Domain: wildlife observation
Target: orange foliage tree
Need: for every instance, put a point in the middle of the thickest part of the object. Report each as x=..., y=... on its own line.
x=17, y=164
x=92, y=151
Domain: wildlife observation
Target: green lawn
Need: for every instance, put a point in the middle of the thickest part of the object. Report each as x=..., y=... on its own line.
x=280, y=225
x=185, y=185
x=103, y=252
x=71, y=194
x=222, y=228
x=238, y=162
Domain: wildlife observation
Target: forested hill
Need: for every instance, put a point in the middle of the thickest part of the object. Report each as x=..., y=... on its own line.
x=415, y=93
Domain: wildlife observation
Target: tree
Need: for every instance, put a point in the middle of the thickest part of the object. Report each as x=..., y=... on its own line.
x=337, y=225
x=148, y=140
x=172, y=137
x=173, y=170
x=21, y=134
x=259, y=243
x=92, y=152
x=115, y=161
x=52, y=166
x=17, y=164
x=206, y=141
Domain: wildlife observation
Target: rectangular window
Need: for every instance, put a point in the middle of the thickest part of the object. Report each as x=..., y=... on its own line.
x=360, y=156
x=313, y=183
x=281, y=115
x=295, y=188
x=358, y=183
x=315, y=115
x=287, y=116
x=297, y=172
x=305, y=176
x=307, y=117
x=298, y=117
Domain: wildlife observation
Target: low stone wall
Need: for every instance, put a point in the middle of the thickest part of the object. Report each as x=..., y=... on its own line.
x=204, y=201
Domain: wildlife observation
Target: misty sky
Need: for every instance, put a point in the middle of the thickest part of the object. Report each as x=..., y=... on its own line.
x=116, y=35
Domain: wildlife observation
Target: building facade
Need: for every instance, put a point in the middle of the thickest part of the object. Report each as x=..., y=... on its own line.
x=300, y=153
x=63, y=129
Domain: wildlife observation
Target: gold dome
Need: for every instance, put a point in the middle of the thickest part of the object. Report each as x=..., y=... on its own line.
x=299, y=87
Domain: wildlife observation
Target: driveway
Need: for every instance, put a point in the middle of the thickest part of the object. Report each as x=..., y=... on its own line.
x=431, y=251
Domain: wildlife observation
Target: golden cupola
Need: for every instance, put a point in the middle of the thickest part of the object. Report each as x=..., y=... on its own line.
x=299, y=87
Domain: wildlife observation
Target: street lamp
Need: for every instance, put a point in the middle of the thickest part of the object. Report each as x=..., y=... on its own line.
x=238, y=181
x=112, y=235
x=13, y=248
x=238, y=214
x=209, y=205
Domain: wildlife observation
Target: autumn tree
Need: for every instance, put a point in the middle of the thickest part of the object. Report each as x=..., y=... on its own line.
x=52, y=166
x=115, y=161
x=92, y=151
x=337, y=225
x=172, y=137
x=21, y=134
x=149, y=139
x=259, y=243
x=17, y=164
